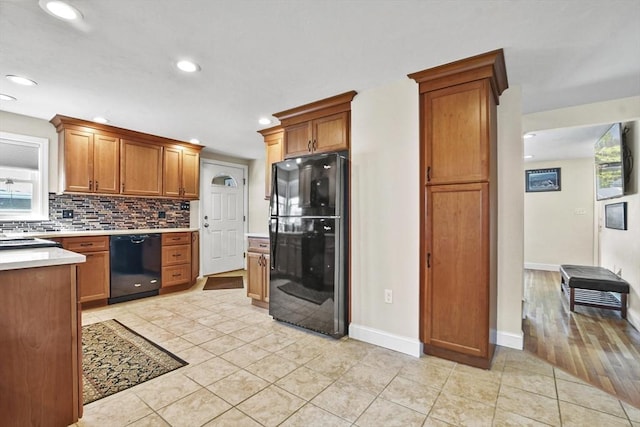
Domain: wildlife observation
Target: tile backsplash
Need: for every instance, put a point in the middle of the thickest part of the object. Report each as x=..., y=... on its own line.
x=104, y=213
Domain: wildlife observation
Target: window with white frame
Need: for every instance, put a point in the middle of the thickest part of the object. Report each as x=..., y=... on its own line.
x=24, y=164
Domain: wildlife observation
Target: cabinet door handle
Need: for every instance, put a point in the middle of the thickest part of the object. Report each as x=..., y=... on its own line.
x=90, y=185
x=176, y=255
x=429, y=260
x=263, y=245
x=86, y=244
x=428, y=173
x=314, y=145
x=123, y=187
x=96, y=185
x=309, y=146
x=176, y=275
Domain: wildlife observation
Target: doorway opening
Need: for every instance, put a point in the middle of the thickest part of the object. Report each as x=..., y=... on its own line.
x=223, y=216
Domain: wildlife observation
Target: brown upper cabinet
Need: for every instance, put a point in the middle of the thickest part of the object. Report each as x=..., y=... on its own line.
x=102, y=159
x=141, y=172
x=457, y=133
x=320, y=127
x=181, y=172
x=273, y=142
x=90, y=161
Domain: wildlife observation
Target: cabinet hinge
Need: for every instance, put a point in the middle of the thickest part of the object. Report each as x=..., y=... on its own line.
x=244, y=218
x=244, y=181
x=244, y=254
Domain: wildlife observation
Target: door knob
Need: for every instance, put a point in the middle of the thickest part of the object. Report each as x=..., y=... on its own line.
x=206, y=225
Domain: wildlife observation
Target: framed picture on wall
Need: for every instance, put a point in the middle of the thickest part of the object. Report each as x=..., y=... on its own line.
x=615, y=216
x=540, y=180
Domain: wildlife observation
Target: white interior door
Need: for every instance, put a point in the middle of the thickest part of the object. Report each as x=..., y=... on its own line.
x=222, y=218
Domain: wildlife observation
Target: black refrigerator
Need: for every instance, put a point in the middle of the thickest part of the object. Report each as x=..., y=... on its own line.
x=309, y=243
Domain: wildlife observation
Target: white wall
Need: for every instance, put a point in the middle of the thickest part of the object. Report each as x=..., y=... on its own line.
x=558, y=225
x=258, y=206
x=385, y=216
x=31, y=126
x=616, y=110
x=620, y=250
x=510, y=219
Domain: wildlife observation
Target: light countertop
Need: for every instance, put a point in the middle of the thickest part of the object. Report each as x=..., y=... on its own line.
x=260, y=235
x=79, y=233
x=14, y=259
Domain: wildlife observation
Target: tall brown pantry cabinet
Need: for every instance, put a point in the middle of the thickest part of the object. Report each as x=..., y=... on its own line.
x=458, y=219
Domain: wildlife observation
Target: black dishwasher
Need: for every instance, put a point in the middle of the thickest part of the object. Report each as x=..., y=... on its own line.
x=135, y=266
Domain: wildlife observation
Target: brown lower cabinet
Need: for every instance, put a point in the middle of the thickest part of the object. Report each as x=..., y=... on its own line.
x=176, y=260
x=456, y=294
x=258, y=268
x=40, y=347
x=93, y=275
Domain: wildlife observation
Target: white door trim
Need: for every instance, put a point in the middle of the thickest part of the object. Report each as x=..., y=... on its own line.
x=245, y=198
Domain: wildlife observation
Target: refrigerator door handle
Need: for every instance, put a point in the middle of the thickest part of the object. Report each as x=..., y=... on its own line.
x=274, y=190
x=274, y=245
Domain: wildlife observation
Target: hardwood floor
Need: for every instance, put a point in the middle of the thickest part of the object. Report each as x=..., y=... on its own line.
x=593, y=344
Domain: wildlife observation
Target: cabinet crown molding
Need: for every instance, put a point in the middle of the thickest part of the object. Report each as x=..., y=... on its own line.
x=323, y=107
x=270, y=131
x=489, y=65
x=64, y=122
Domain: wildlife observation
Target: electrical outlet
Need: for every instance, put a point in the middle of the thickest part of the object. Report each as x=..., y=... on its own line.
x=388, y=296
x=184, y=206
x=67, y=213
x=162, y=214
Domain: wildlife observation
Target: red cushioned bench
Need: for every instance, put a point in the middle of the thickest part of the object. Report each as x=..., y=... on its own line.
x=595, y=283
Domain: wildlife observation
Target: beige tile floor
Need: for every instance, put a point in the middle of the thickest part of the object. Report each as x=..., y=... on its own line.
x=247, y=370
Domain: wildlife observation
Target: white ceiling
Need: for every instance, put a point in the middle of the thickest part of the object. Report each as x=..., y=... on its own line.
x=567, y=143
x=263, y=56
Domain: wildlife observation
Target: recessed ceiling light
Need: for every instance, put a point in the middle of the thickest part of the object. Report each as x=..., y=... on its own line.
x=264, y=121
x=21, y=80
x=4, y=97
x=61, y=10
x=188, y=66
x=529, y=156
x=194, y=141
x=99, y=119
x=529, y=135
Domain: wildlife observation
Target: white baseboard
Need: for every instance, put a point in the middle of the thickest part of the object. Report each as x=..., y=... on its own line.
x=545, y=267
x=410, y=346
x=508, y=339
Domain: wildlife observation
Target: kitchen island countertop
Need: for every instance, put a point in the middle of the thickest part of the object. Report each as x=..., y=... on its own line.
x=14, y=259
